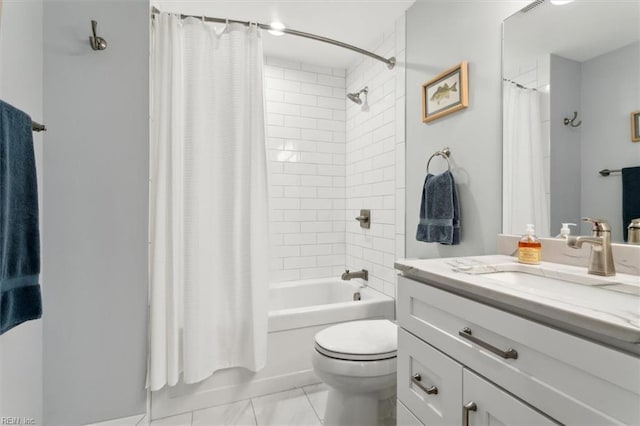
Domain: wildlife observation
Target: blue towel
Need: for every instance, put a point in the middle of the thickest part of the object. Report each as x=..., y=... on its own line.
x=439, y=210
x=20, y=298
x=630, y=196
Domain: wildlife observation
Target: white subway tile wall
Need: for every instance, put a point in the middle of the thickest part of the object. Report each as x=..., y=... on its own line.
x=306, y=140
x=375, y=161
x=329, y=159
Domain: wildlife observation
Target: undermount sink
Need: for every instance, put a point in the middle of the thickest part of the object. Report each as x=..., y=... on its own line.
x=540, y=276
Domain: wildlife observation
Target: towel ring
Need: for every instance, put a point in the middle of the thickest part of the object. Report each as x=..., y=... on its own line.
x=446, y=152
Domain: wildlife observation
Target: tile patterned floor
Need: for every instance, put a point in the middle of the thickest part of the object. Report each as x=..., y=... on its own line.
x=296, y=407
x=137, y=420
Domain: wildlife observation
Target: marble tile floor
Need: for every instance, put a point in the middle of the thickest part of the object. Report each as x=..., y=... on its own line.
x=296, y=407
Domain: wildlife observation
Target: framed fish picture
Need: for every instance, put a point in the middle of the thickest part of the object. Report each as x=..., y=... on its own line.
x=635, y=126
x=446, y=93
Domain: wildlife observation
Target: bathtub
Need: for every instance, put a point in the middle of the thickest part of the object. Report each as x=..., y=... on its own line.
x=297, y=311
x=309, y=303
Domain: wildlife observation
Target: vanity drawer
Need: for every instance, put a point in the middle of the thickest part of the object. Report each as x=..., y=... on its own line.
x=571, y=379
x=429, y=382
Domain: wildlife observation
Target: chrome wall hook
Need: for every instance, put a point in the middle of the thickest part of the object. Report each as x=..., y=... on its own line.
x=97, y=43
x=571, y=122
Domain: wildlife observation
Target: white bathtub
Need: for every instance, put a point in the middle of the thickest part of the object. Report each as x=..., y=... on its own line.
x=297, y=311
x=311, y=303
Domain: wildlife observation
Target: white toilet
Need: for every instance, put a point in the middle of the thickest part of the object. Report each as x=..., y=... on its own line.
x=357, y=360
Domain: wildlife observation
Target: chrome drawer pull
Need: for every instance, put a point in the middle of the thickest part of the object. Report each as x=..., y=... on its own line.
x=509, y=353
x=417, y=380
x=469, y=406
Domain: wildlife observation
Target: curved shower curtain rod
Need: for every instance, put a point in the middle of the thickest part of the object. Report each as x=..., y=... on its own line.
x=391, y=62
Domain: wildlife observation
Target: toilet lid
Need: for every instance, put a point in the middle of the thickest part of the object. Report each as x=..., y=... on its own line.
x=368, y=340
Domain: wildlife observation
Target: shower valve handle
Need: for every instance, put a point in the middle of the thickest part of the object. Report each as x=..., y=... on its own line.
x=364, y=218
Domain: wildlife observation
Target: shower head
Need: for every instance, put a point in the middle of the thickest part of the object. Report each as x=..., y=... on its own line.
x=355, y=97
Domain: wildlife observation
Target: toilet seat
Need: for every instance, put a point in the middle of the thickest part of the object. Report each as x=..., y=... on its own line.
x=369, y=340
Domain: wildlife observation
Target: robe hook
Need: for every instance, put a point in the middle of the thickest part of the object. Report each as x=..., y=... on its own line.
x=97, y=43
x=571, y=121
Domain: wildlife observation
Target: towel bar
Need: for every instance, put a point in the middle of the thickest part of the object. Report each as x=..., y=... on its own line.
x=607, y=172
x=37, y=127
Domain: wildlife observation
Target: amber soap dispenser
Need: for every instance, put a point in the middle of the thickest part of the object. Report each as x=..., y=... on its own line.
x=529, y=247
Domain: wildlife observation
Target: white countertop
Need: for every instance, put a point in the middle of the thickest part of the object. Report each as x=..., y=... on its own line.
x=609, y=314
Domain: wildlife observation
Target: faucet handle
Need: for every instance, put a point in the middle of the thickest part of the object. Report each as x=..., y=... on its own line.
x=598, y=225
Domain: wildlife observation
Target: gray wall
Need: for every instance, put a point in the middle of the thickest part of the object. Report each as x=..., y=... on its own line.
x=21, y=86
x=95, y=186
x=440, y=35
x=610, y=91
x=565, y=146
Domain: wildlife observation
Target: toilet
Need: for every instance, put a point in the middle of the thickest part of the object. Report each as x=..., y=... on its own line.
x=357, y=361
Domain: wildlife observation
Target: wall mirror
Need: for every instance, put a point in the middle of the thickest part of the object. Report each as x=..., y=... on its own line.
x=576, y=63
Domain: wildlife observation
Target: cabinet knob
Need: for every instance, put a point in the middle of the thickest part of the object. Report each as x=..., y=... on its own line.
x=417, y=380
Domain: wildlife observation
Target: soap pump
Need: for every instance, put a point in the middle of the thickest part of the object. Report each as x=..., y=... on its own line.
x=565, y=231
x=529, y=247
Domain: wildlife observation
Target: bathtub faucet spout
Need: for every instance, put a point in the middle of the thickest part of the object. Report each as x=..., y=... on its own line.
x=364, y=274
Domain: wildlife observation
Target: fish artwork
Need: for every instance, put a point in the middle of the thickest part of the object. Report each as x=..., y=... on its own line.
x=443, y=92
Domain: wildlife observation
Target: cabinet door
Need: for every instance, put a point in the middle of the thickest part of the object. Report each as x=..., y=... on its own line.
x=429, y=382
x=486, y=404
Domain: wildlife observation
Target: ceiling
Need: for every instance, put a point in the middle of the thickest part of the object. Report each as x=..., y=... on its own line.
x=357, y=22
x=579, y=31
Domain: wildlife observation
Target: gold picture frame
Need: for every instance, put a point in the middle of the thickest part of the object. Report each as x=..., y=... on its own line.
x=635, y=126
x=446, y=93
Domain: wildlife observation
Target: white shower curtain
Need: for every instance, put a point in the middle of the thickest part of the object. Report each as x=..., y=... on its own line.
x=524, y=196
x=208, y=201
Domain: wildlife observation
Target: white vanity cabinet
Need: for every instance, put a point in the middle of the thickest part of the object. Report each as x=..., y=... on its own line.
x=440, y=391
x=510, y=370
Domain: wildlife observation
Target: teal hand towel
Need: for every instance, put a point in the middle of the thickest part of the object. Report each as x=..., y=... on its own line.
x=439, y=210
x=20, y=298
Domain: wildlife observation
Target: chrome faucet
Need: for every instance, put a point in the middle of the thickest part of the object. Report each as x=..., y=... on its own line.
x=364, y=274
x=601, y=257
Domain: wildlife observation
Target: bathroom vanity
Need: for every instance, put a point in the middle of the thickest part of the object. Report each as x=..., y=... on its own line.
x=485, y=340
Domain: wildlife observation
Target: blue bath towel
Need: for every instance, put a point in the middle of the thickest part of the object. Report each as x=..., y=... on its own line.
x=439, y=210
x=20, y=298
x=630, y=196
